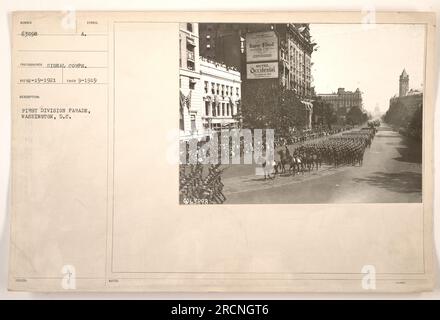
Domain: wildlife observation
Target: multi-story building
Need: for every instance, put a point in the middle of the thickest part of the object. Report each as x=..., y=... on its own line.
x=227, y=43
x=408, y=98
x=295, y=58
x=221, y=94
x=405, y=112
x=342, y=101
x=222, y=42
x=191, y=102
x=210, y=91
x=403, y=83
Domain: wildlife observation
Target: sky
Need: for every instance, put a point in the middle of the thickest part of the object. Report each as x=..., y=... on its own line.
x=368, y=57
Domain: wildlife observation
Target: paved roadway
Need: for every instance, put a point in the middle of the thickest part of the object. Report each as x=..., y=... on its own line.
x=391, y=172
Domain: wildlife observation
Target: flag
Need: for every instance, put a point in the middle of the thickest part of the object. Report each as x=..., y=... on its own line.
x=188, y=100
x=182, y=101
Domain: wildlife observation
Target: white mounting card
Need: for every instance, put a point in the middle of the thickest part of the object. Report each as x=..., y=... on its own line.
x=108, y=109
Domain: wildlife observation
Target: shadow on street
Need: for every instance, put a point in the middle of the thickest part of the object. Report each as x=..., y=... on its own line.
x=411, y=152
x=402, y=182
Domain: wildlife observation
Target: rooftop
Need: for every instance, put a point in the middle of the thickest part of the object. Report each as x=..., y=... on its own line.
x=218, y=65
x=404, y=74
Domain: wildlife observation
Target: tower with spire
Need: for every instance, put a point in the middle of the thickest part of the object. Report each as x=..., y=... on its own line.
x=403, y=84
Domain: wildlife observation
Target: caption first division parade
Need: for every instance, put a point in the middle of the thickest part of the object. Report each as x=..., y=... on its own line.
x=254, y=128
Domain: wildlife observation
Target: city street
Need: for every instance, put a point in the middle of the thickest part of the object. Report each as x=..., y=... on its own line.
x=391, y=172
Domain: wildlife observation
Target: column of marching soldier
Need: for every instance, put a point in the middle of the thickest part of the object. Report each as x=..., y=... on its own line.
x=347, y=148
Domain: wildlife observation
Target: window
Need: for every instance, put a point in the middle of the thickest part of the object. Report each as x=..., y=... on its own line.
x=207, y=108
x=212, y=87
x=223, y=89
x=190, y=55
x=227, y=90
x=223, y=108
x=237, y=91
x=180, y=50
x=190, y=65
x=189, y=27
x=214, y=111
x=206, y=86
x=192, y=83
x=218, y=88
x=227, y=109
x=190, y=52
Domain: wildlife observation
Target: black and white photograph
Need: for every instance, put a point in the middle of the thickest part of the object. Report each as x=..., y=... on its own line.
x=300, y=163
x=301, y=113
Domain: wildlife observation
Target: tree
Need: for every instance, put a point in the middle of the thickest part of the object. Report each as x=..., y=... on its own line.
x=407, y=118
x=323, y=113
x=270, y=107
x=398, y=114
x=415, y=128
x=356, y=116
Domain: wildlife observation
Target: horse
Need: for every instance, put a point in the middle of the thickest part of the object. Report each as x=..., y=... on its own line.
x=282, y=163
x=292, y=164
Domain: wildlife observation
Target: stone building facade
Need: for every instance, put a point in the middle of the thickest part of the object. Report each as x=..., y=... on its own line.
x=407, y=98
x=403, y=84
x=342, y=101
x=191, y=105
x=210, y=91
x=221, y=95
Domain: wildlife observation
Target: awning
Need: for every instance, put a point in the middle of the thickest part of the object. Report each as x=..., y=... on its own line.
x=190, y=41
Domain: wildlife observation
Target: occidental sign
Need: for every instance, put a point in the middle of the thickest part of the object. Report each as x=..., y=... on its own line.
x=262, y=70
